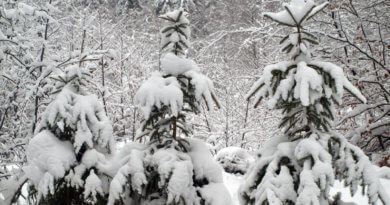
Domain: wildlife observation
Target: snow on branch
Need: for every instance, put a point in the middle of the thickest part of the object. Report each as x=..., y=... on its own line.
x=296, y=13
x=305, y=81
x=176, y=66
x=158, y=91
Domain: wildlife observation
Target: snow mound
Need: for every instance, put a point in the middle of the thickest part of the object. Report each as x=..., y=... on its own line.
x=234, y=159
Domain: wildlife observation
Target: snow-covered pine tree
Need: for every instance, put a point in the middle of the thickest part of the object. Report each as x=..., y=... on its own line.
x=180, y=88
x=171, y=169
x=67, y=154
x=300, y=166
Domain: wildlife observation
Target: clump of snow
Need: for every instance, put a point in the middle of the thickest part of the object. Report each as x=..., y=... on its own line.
x=92, y=158
x=234, y=159
x=216, y=194
x=175, y=169
x=93, y=186
x=341, y=82
x=274, y=182
x=295, y=13
x=232, y=183
x=93, y=123
x=306, y=83
x=204, y=88
x=308, y=88
x=133, y=168
x=158, y=91
x=48, y=158
x=82, y=113
x=9, y=187
x=172, y=64
x=203, y=162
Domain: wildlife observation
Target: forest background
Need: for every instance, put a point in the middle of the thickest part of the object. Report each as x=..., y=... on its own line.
x=119, y=42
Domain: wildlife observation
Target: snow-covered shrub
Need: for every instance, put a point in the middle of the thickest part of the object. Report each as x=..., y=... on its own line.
x=234, y=159
x=172, y=169
x=300, y=166
x=72, y=141
x=169, y=176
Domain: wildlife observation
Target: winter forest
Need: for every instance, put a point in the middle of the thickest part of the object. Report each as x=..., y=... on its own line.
x=203, y=102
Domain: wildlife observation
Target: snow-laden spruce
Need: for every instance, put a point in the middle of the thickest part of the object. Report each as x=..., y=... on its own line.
x=180, y=87
x=66, y=156
x=171, y=169
x=300, y=166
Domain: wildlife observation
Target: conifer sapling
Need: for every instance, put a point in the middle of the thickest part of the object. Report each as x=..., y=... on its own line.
x=67, y=154
x=300, y=166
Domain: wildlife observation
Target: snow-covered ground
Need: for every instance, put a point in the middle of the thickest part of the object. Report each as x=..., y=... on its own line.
x=232, y=182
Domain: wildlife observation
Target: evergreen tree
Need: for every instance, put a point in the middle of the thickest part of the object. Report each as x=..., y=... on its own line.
x=172, y=169
x=66, y=155
x=179, y=89
x=300, y=166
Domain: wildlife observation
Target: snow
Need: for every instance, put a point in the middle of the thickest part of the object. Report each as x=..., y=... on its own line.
x=176, y=171
x=8, y=188
x=171, y=64
x=91, y=158
x=75, y=176
x=296, y=12
x=308, y=190
x=47, y=154
x=174, y=15
x=321, y=171
x=93, y=185
x=92, y=123
x=204, y=88
x=133, y=167
x=215, y=194
x=83, y=112
x=180, y=183
x=384, y=172
x=234, y=159
x=48, y=159
x=158, y=91
x=309, y=82
x=11, y=13
x=341, y=81
x=204, y=164
x=26, y=9
x=233, y=182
